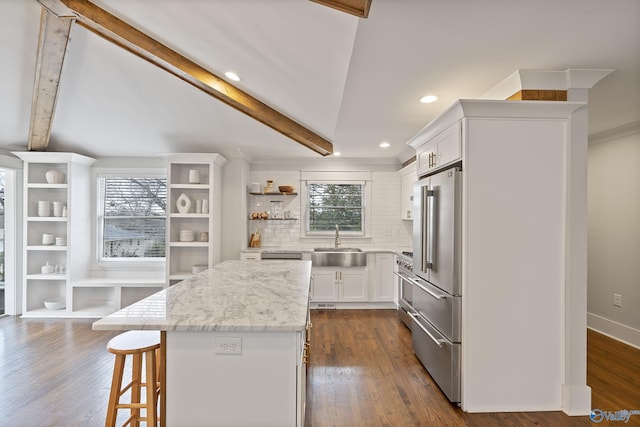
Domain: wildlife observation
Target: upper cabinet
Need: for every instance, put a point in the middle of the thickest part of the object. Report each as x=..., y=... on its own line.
x=409, y=177
x=57, y=229
x=193, y=213
x=439, y=151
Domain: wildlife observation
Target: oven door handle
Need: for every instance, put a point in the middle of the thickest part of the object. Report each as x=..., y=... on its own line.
x=424, y=288
x=438, y=342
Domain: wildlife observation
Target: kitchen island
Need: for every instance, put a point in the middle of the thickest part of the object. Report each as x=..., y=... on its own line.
x=235, y=338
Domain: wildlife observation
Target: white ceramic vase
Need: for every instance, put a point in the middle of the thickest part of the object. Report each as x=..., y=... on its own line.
x=183, y=204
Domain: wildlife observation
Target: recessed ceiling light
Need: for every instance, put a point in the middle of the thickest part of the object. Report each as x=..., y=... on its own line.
x=336, y=153
x=385, y=145
x=428, y=99
x=232, y=76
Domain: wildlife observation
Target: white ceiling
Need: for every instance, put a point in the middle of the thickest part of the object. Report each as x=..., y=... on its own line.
x=354, y=81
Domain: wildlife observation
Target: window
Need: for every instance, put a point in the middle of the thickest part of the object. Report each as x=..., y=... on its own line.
x=332, y=204
x=132, y=217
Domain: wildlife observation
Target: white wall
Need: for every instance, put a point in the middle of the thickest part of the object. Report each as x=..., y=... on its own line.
x=13, y=232
x=234, y=205
x=614, y=233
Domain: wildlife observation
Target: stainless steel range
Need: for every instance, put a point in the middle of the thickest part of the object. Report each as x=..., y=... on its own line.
x=404, y=264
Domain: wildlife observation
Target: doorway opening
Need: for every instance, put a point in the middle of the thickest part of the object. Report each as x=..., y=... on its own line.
x=2, y=245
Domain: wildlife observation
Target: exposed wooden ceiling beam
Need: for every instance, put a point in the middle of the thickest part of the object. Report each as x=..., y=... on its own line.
x=135, y=41
x=52, y=46
x=359, y=8
x=57, y=8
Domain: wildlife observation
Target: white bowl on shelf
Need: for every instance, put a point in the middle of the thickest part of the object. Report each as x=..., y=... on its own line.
x=54, y=177
x=187, y=236
x=54, y=304
x=198, y=268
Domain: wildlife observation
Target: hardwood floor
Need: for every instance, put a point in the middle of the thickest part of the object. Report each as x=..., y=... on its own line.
x=53, y=373
x=362, y=372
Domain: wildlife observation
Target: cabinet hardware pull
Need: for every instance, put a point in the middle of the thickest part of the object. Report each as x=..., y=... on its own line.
x=414, y=282
x=438, y=342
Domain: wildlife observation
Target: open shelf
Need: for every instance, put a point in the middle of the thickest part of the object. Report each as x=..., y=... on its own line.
x=273, y=219
x=274, y=194
x=204, y=172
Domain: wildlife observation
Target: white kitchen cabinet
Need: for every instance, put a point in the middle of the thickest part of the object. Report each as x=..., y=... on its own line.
x=324, y=285
x=523, y=207
x=440, y=150
x=409, y=177
x=193, y=213
x=262, y=385
x=304, y=348
x=353, y=284
x=332, y=284
x=60, y=237
x=250, y=256
x=384, y=279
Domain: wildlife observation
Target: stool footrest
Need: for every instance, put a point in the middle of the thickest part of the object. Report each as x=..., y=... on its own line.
x=133, y=418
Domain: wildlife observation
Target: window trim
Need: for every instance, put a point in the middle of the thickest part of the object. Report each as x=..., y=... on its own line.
x=366, y=203
x=142, y=263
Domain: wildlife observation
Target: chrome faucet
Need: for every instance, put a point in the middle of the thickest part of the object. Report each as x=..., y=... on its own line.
x=337, y=241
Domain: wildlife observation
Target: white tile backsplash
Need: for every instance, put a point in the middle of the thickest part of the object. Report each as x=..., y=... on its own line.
x=388, y=230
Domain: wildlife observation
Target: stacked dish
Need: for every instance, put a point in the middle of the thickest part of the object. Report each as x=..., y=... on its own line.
x=187, y=236
x=57, y=208
x=55, y=304
x=44, y=208
x=61, y=241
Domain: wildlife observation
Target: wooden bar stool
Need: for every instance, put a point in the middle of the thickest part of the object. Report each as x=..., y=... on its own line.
x=136, y=344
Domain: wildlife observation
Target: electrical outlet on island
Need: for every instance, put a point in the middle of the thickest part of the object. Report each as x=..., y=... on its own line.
x=227, y=345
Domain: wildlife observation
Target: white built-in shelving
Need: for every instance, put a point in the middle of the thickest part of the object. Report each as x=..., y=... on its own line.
x=197, y=176
x=72, y=226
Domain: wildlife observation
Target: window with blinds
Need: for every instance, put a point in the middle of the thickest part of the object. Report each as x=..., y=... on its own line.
x=132, y=217
x=331, y=204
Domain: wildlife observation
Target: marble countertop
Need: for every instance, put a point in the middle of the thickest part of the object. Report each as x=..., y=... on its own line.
x=232, y=296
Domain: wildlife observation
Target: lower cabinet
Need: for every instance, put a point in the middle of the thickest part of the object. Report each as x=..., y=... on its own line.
x=331, y=284
x=250, y=256
x=383, y=280
x=263, y=384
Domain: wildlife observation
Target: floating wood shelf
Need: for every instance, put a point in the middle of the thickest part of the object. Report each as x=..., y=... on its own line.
x=274, y=194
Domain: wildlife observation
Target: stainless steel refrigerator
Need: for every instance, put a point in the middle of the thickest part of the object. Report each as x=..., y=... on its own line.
x=437, y=295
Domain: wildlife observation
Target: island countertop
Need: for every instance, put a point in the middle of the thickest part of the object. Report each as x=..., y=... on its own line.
x=232, y=296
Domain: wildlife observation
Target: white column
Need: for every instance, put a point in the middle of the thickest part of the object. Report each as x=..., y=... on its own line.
x=576, y=395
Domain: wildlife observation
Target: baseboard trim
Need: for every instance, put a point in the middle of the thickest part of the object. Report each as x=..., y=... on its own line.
x=576, y=400
x=617, y=331
x=353, y=305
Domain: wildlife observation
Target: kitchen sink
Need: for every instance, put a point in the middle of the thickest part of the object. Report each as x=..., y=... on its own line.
x=337, y=250
x=338, y=257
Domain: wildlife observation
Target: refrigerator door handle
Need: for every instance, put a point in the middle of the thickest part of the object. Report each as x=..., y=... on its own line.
x=431, y=241
x=438, y=342
x=424, y=229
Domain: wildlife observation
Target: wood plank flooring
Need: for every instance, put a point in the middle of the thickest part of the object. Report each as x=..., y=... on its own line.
x=362, y=373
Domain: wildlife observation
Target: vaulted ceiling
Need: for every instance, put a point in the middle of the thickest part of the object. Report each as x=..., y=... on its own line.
x=355, y=82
